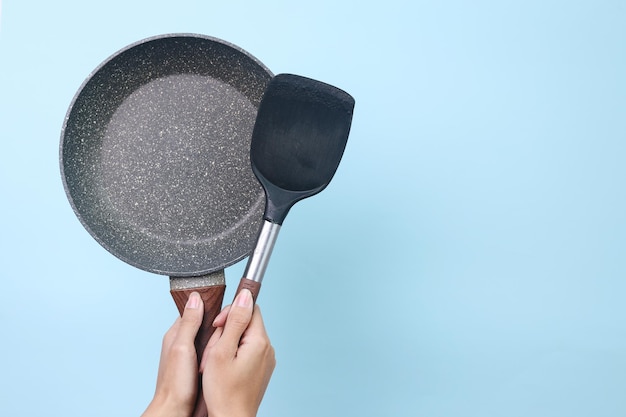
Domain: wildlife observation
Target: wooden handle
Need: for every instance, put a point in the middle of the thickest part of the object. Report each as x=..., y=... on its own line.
x=253, y=286
x=213, y=297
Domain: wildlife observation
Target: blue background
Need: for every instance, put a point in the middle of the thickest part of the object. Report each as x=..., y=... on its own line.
x=467, y=259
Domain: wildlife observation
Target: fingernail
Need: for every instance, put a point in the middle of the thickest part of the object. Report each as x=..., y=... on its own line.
x=244, y=298
x=194, y=300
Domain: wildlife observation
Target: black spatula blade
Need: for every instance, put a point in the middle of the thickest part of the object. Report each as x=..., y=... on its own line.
x=299, y=137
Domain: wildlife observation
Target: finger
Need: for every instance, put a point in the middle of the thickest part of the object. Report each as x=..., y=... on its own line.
x=255, y=340
x=191, y=319
x=215, y=337
x=212, y=341
x=238, y=319
x=255, y=337
x=256, y=328
x=168, y=340
x=220, y=319
x=170, y=335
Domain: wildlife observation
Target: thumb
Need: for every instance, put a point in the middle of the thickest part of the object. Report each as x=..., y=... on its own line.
x=238, y=320
x=191, y=320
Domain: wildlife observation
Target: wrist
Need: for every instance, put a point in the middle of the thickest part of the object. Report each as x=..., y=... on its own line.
x=233, y=413
x=159, y=408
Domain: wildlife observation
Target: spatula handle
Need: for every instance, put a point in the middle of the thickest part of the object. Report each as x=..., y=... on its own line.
x=259, y=258
x=253, y=286
x=213, y=296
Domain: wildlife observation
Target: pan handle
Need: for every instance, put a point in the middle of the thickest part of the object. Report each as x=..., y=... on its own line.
x=213, y=296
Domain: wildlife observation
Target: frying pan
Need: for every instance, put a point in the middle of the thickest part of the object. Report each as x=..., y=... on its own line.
x=155, y=161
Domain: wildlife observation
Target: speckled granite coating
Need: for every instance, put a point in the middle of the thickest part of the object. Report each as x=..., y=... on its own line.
x=155, y=154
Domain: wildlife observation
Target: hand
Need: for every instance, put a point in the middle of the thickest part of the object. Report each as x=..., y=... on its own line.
x=177, y=380
x=238, y=361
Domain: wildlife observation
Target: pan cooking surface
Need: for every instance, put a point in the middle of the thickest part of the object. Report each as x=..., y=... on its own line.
x=175, y=180
x=157, y=166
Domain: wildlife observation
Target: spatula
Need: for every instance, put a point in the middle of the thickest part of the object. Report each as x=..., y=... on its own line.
x=298, y=140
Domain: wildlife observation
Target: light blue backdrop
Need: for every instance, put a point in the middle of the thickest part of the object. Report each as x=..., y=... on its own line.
x=467, y=260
